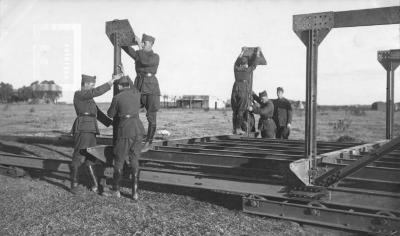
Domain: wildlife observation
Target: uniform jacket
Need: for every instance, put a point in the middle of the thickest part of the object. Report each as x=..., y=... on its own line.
x=127, y=102
x=266, y=111
x=84, y=103
x=283, y=112
x=145, y=63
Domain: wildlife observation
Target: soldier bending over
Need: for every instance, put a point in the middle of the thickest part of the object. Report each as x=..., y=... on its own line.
x=266, y=109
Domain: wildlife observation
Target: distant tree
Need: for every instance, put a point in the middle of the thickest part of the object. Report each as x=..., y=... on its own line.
x=34, y=83
x=6, y=92
x=53, y=96
x=25, y=93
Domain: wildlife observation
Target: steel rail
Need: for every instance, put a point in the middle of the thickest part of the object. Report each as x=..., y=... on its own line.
x=241, y=186
x=261, y=146
x=225, y=147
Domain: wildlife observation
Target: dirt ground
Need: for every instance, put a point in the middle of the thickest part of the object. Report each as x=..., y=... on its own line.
x=42, y=205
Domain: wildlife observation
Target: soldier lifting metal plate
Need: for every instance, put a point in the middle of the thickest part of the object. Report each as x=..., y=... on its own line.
x=126, y=36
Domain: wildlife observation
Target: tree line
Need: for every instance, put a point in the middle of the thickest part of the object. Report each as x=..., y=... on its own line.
x=28, y=93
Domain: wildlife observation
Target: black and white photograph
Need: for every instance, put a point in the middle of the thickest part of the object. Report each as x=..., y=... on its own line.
x=200, y=117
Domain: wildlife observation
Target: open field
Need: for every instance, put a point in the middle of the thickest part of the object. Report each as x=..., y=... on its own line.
x=43, y=205
x=52, y=119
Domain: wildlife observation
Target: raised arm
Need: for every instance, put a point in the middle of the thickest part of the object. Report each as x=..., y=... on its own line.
x=265, y=110
x=95, y=92
x=256, y=98
x=255, y=59
x=130, y=51
x=98, y=91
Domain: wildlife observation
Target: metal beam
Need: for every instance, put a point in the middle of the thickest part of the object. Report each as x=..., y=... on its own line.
x=336, y=175
x=367, y=17
x=106, y=155
x=312, y=29
x=329, y=215
x=390, y=60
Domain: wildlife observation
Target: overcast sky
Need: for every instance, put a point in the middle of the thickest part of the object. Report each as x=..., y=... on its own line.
x=198, y=42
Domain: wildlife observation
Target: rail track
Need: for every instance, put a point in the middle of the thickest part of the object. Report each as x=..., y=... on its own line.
x=367, y=201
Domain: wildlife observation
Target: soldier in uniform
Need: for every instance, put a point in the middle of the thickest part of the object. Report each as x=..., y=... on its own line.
x=146, y=65
x=243, y=71
x=85, y=126
x=282, y=115
x=266, y=110
x=126, y=106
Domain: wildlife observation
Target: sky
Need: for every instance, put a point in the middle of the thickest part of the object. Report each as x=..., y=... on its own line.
x=198, y=42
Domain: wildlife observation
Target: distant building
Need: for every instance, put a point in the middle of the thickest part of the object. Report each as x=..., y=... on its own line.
x=217, y=103
x=46, y=91
x=381, y=106
x=168, y=101
x=193, y=101
x=378, y=106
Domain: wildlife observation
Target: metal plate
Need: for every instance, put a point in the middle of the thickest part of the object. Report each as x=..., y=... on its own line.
x=323, y=20
x=250, y=51
x=389, y=59
x=126, y=36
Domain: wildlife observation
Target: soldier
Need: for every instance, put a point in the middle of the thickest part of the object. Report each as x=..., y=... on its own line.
x=146, y=64
x=126, y=106
x=243, y=71
x=266, y=110
x=85, y=126
x=282, y=115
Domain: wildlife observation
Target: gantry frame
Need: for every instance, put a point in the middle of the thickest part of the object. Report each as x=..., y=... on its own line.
x=312, y=29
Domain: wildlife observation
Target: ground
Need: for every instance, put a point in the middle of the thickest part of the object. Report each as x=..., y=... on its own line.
x=43, y=205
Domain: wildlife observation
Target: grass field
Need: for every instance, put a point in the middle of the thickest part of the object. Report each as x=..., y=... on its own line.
x=52, y=119
x=43, y=205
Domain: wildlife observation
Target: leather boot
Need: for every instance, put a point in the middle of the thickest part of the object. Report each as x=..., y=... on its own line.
x=93, y=178
x=117, y=177
x=74, y=180
x=117, y=181
x=151, y=131
x=135, y=183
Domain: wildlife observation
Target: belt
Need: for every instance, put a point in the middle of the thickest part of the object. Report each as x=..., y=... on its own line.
x=242, y=80
x=128, y=116
x=86, y=114
x=147, y=74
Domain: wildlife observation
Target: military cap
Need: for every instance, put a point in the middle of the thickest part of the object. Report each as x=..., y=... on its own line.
x=149, y=38
x=123, y=80
x=279, y=89
x=88, y=79
x=263, y=94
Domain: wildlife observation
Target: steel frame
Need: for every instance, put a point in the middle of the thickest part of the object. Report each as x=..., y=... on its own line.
x=262, y=174
x=312, y=29
x=390, y=60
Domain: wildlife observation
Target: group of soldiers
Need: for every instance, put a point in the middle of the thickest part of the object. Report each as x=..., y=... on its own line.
x=125, y=106
x=275, y=115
